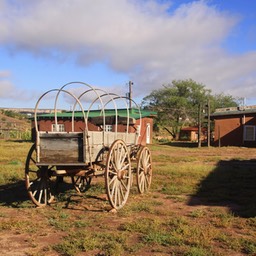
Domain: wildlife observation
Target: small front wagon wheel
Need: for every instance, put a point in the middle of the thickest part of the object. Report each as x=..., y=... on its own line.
x=118, y=174
x=144, y=170
x=37, y=180
x=81, y=183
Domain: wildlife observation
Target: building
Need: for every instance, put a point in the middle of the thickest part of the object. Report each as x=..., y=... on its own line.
x=111, y=121
x=235, y=126
x=191, y=134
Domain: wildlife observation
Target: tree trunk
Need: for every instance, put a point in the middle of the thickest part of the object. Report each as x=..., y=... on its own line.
x=172, y=133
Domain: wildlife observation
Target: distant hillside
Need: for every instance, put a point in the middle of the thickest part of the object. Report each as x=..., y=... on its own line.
x=14, y=127
x=28, y=111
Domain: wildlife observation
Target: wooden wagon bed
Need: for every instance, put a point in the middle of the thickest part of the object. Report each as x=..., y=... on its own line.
x=75, y=148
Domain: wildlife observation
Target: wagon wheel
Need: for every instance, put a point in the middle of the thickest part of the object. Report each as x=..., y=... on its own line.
x=118, y=174
x=81, y=183
x=144, y=170
x=37, y=180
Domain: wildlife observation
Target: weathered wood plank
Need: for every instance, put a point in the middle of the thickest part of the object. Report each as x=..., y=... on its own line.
x=61, y=147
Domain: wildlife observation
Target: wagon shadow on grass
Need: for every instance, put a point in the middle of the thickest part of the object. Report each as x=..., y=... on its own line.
x=15, y=194
x=231, y=184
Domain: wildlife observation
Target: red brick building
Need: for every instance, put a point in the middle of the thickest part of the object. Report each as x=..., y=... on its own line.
x=235, y=126
x=138, y=121
x=191, y=134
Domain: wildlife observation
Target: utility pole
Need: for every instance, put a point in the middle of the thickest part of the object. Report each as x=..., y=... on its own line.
x=199, y=124
x=208, y=124
x=130, y=94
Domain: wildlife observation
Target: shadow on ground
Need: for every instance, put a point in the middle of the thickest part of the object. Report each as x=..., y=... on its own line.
x=233, y=184
x=184, y=144
x=15, y=194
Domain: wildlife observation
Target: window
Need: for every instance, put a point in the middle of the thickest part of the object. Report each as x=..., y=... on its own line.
x=58, y=128
x=249, y=133
x=108, y=128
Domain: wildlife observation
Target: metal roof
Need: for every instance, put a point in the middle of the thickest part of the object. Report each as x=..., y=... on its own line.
x=234, y=111
x=133, y=113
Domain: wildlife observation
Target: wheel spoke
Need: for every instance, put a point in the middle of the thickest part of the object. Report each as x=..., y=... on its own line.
x=118, y=194
x=124, y=185
x=34, y=192
x=113, y=164
x=125, y=167
x=123, y=158
x=127, y=177
x=33, y=160
x=116, y=191
x=32, y=182
x=141, y=174
x=121, y=190
x=112, y=172
x=141, y=169
x=40, y=195
x=32, y=171
x=45, y=195
x=81, y=183
x=113, y=188
x=142, y=182
x=112, y=180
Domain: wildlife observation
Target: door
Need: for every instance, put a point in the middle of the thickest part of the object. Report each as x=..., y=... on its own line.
x=148, y=133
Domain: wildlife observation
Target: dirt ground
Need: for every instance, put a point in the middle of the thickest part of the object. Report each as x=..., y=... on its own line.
x=25, y=229
x=21, y=240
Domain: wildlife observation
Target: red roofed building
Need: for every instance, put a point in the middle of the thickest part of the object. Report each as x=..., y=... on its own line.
x=191, y=134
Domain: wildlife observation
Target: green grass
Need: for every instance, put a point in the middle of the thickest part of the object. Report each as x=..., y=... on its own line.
x=12, y=160
x=200, y=203
x=111, y=243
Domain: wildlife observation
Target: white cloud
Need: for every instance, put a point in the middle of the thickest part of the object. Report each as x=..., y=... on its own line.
x=140, y=38
x=4, y=74
x=7, y=89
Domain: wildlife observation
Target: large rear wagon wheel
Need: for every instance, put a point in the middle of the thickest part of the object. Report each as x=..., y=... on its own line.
x=144, y=170
x=38, y=180
x=118, y=174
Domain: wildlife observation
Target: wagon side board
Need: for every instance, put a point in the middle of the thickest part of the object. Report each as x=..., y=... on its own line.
x=76, y=148
x=60, y=148
x=96, y=141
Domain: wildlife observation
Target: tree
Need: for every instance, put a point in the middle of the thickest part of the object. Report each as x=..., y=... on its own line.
x=178, y=103
x=222, y=101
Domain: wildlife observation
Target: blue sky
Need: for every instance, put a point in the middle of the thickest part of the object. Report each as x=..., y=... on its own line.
x=105, y=43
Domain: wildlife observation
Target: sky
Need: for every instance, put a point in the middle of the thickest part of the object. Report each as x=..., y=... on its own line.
x=45, y=44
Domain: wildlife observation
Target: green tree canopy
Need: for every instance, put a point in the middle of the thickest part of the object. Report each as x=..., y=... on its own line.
x=222, y=101
x=177, y=103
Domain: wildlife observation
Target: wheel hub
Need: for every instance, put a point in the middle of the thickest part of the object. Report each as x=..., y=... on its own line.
x=120, y=174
